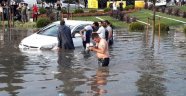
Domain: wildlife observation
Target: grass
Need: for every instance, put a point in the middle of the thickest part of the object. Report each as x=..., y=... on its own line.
x=184, y=29
x=18, y=24
x=141, y=15
x=144, y=14
x=114, y=22
x=183, y=8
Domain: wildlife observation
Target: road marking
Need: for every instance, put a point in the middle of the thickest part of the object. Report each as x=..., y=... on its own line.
x=142, y=22
x=100, y=18
x=169, y=18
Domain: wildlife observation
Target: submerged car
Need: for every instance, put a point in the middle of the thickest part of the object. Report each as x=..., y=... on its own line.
x=46, y=38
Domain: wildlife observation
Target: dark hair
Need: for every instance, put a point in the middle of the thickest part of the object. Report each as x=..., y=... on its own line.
x=107, y=21
x=95, y=35
x=96, y=24
x=62, y=22
x=101, y=22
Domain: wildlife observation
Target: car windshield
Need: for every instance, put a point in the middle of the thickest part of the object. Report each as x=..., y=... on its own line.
x=51, y=30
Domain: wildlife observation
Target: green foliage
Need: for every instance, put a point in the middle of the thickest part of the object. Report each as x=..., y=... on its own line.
x=136, y=26
x=129, y=7
x=5, y=23
x=163, y=27
x=26, y=25
x=42, y=10
x=64, y=11
x=107, y=9
x=184, y=15
x=92, y=11
x=116, y=23
x=78, y=11
x=41, y=22
x=184, y=29
x=18, y=24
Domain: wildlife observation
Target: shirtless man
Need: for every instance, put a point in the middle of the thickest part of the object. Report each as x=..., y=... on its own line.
x=101, y=50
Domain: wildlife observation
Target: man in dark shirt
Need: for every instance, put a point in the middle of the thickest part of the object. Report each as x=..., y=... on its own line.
x=64, y=37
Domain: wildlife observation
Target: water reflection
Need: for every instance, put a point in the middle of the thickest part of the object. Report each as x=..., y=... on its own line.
x=11, y=63
x=10, y=75
x=70, y=76
x=151, y=79
x=65, y=58
x=99, y=81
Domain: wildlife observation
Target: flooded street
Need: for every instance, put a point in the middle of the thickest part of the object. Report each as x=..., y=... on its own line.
x=137, y=67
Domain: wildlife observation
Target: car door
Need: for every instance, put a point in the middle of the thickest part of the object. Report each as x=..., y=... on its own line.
x=76, y=36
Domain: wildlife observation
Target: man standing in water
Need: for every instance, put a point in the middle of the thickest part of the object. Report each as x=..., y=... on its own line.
x=110, y=32
x=64, y=37
x=101, y=50
x=86, y=33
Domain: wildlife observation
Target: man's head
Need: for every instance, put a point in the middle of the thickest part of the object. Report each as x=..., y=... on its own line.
x=102, y=23
x=95, y=37
x=96, y=24
x=62, y=22
x=107, y=22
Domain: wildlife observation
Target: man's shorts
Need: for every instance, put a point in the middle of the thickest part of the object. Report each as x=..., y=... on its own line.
x=103, y=61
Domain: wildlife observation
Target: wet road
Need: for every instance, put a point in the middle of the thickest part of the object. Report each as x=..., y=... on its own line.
x=138, y=67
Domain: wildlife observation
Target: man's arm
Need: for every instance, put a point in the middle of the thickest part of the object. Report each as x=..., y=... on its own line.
x=98, y=31
x=81, y=32
x=98, y=50
x=101, y=50
x=110, y=32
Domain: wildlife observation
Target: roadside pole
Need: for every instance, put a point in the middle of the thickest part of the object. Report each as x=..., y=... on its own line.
x=153, y=24
x=68, y=8
x=8, y=13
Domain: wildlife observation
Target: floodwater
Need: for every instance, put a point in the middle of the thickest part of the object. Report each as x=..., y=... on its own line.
x=138, y=67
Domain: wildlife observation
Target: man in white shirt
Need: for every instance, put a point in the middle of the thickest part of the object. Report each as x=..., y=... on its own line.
x=101, y=30
x=1, y=11
x=86, y=34
x=114, y=5
x=110, y=32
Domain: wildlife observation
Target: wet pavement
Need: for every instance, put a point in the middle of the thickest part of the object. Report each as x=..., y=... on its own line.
x=138, y=67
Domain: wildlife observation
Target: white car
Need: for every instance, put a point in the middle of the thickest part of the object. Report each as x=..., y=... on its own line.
x=161, y=3
x=46, y=38
x=72, y=5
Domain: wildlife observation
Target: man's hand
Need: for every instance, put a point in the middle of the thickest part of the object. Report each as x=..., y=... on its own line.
x=82, y=37
x=91, y=48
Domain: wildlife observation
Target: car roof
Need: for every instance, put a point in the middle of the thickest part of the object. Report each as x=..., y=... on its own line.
x=74, y=22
